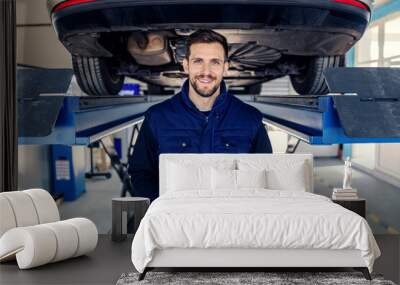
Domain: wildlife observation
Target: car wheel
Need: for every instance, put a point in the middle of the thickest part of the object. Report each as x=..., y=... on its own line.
x=254, y=89
x=312, y=81
x=95, y=76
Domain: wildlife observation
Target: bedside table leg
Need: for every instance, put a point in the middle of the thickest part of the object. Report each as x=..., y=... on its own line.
x=364, y=271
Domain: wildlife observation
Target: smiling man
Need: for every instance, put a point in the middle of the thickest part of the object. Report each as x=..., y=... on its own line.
x=202, y=118
x=205, y=64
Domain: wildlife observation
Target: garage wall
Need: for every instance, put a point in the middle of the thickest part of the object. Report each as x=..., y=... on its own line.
x=364, y=154
x=388, y=159
x=280, y=86
x=33, y=167
x=37, y=43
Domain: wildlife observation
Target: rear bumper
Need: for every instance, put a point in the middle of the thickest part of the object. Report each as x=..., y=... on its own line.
x=299, y=18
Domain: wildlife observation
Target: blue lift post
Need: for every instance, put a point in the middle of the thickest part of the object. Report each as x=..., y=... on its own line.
x=68, y=171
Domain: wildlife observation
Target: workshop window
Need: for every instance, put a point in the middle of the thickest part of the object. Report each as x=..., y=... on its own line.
x=391, y=50
x=368, y=48
x=380, y=45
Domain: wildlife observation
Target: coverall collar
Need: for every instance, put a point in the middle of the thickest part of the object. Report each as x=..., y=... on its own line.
x=218, y=103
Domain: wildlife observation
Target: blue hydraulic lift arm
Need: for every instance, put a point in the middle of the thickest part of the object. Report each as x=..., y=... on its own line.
x=317, y=126
x=48, y=114
x=364, y=108
x=83, y=120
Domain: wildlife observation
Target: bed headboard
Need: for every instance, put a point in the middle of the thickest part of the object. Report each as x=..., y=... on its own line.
x=214, y=159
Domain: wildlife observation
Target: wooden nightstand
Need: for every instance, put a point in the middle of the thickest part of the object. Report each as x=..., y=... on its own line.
x=357, y=206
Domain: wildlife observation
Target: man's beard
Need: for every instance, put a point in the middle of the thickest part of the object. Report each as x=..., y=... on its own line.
x=202, y=93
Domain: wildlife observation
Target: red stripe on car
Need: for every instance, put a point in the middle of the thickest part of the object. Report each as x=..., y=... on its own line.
x=353, y=3
x=70, y=3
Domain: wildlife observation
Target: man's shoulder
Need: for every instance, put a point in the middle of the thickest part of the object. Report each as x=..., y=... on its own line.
x=245, y=109
x=167, y=105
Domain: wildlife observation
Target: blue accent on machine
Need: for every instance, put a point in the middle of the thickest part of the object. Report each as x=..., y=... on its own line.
x=68, y=171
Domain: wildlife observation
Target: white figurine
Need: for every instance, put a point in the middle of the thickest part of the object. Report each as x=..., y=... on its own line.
x=347, y=174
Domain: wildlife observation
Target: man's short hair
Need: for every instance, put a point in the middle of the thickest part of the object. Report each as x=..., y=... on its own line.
x=207, y=37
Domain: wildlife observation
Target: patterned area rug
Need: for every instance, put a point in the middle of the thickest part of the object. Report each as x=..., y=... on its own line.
x=243, y=278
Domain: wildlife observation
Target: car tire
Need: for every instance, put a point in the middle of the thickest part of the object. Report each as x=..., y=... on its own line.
x=312, y=81
x=95, y=76
x=254, y=89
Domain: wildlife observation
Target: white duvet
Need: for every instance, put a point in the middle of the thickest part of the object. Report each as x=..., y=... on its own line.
x=253, y=218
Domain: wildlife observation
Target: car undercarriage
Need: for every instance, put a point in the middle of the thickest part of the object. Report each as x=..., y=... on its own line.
x=111, y=40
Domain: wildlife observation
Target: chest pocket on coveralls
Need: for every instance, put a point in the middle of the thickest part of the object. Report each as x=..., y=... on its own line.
x=233, y=141
x=179, y=141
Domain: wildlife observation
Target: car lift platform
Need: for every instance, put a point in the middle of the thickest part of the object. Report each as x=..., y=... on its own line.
x=363, y=107
x=73, y=120
x=48, y=114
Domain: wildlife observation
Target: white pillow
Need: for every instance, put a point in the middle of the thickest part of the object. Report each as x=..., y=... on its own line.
x=223, y=179
x=185, y=177
x=292, y=178
x=251, y=178
x=227, y=179
x=283, y=172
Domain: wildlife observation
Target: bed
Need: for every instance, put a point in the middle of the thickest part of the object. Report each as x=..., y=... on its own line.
x=247, y=210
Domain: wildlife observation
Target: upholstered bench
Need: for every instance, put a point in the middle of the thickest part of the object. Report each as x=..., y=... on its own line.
x=31, y=230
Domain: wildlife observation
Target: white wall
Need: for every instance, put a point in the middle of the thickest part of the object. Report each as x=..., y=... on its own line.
x=388, y=159
x=33, y=167
x=37, y=42
x=364, y=154
x=318, y=150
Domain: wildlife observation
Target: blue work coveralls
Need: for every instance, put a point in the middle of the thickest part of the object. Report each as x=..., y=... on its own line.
x=177, y=126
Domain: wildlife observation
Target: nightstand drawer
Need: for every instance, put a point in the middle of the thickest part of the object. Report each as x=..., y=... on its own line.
x=357, y=206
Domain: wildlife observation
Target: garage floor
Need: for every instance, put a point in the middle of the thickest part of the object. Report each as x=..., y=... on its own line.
x=383, y=199
x=95, y=204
